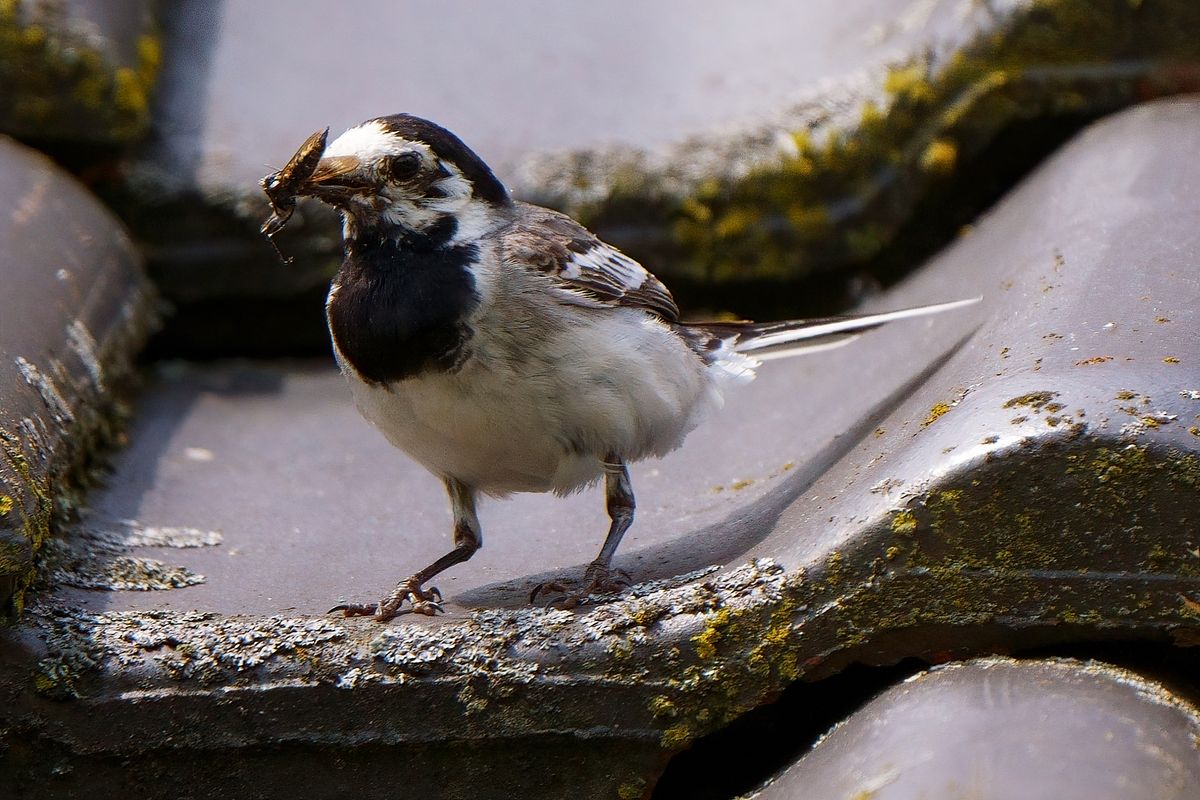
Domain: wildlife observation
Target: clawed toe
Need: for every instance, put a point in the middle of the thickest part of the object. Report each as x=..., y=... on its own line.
x=608, y=581
x=354, y=609
x=549, y=586
x=428, y=606
x=424, y=601
x=560, y=595
x=597, y=581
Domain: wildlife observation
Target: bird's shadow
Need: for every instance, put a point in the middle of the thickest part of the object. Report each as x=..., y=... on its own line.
x=723, y=542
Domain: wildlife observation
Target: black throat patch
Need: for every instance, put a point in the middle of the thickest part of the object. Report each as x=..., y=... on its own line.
x=399, y=307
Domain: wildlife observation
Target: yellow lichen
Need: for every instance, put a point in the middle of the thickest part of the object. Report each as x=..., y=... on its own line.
x=63, y=83
x=149, y=58
x=677, y=737
x=128, y=92
x=904, y=523
x=706, y=641
x=940, y=157
x=808, y=220
x=632, y=790
x=935, y=413
x=910, y=82
x=1034, y=400
x=661, y=706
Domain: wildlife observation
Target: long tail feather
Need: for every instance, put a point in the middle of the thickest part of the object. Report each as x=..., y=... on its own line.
x=806, y=334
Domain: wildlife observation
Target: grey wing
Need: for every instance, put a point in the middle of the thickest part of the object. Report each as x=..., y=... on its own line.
x=586, y=270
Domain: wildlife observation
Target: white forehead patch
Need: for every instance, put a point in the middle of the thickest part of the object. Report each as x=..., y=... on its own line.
x=370, y=141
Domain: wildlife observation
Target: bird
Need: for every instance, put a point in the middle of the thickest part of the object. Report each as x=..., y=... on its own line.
x=505, y=347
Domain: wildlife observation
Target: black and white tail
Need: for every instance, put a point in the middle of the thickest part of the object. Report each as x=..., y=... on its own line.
x=737, y=348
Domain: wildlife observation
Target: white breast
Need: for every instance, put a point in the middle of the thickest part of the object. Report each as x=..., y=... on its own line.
x=546, y=395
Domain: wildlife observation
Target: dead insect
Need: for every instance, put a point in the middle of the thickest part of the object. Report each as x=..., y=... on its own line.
x=282, y=187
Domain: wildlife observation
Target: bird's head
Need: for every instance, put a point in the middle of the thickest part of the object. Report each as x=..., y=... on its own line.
x=406, y=174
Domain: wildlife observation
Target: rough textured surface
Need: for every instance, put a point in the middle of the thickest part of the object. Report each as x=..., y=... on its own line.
x=996, y=728
x=808, y=155
x=1021, y=473
x=830, y=185
x=226, y=110
x=76, y=311
x=581, y=77
x=79, y=71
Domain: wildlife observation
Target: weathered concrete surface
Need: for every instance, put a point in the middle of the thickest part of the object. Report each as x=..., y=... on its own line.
x=232, y=104
x=1057, y=459
x=529, y=76
x=996, y=728
x=722, y=145
x=315, y=506
x=1023, y=472
x=76, y=310
x=79, y=72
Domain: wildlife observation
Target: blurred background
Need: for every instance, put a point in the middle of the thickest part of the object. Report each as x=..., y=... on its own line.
x=775, y=160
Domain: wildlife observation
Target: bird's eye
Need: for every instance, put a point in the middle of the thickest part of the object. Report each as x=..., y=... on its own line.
x=402, y=166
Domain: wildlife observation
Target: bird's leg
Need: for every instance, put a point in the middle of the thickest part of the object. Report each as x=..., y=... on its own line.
x=598, y=577
x=618, y=496
x=468, y=538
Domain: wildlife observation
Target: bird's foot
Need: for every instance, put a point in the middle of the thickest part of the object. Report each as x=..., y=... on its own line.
x=424, y=601
x=597, y=580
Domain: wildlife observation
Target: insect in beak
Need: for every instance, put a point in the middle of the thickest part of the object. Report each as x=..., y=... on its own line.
x=334, y=180
x=283, y=187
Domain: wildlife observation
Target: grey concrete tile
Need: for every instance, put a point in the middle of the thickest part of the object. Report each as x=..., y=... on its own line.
x=1000, y=728
x=529, y=76
x=77, y=308
x=966, y=484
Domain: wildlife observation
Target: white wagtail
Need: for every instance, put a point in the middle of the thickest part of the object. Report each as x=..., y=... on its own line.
x=501, y=344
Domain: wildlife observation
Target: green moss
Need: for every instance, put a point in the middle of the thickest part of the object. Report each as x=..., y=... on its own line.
x=996, y=564
x=632, y=790
x=14, y=557
x=677, y=737
x=994, y=547
x=840, y=196
x=743, y=652
x=58, y=85
x=34, y=507
x=1004, y=524
x=47, y=465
